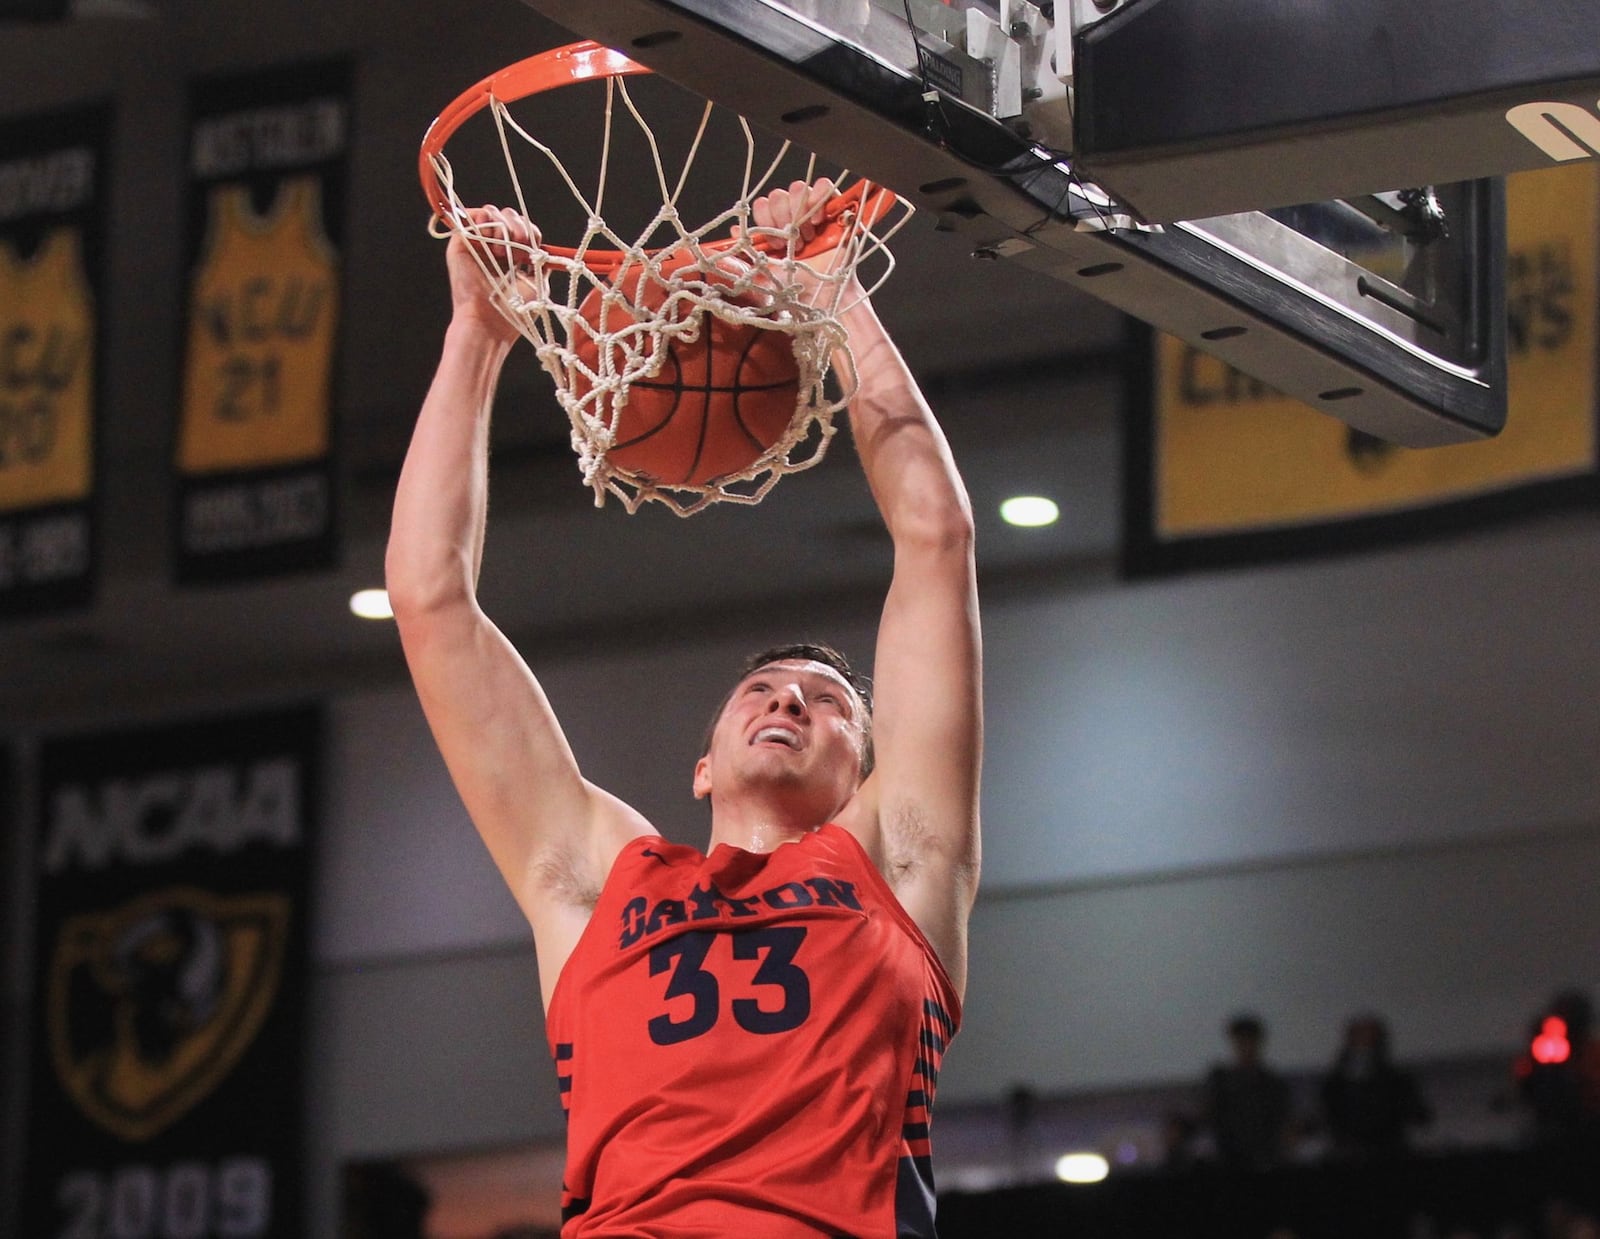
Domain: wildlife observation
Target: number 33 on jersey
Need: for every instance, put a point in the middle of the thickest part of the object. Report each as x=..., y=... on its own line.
x=789, y=989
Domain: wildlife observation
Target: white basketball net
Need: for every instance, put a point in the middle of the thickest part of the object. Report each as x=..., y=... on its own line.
x=757, y=280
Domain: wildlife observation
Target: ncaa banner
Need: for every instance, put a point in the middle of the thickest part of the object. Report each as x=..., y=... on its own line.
x=268, y=161
x=170, y=977
x=1223, y=470
x=52, y=259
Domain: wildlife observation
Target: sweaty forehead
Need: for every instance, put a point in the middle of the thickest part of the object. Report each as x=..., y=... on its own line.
x=806, y=668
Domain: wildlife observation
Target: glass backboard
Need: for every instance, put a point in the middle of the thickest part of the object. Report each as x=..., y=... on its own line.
x=1385, y=310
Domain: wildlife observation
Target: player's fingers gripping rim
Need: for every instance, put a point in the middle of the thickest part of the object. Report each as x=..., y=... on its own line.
x=802, y=212
x=489, y=247
x=783, y=209
x=807, y=203
x=502, y=237
x=512, y=246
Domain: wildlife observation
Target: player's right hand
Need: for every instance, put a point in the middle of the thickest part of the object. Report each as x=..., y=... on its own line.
x=500, y=240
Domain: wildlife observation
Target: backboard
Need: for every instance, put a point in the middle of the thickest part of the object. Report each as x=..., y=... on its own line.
x=1384, y=308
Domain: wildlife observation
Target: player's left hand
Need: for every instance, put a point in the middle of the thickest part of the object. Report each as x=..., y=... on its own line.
x=798, y=210
x=799, y=206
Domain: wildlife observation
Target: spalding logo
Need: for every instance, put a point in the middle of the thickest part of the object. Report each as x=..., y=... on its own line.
x=151, y=1005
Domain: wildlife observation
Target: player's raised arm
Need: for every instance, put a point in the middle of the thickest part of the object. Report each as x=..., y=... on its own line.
x=552, y=834
x=927, y=725
x=918, y=811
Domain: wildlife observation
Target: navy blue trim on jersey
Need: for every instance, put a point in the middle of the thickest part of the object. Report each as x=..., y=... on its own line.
x=914, y=1199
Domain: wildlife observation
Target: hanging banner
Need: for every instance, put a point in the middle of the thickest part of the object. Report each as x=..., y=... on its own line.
x=1222, y=469
x=268, y=156
x=52, y=260
x=12, y=848
x=170, y=978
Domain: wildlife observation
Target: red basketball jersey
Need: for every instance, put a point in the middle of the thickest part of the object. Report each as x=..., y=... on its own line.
x=748, y=1044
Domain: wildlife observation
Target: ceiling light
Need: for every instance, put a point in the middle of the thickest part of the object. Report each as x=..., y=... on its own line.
x=1082, y=1168
x=1029, y=511
x=371, y=604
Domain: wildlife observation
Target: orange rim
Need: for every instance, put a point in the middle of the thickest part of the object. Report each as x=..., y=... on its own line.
x=589, y=61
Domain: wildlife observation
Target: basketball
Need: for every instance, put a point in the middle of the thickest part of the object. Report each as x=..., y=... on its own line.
x=714, y=405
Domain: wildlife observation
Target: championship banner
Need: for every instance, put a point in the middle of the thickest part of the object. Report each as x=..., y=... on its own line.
x=170, y=978
x=52, y=262
x=1224, y=470
x=267, y=156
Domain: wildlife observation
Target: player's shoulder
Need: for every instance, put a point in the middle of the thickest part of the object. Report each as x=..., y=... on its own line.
x=654, y=849
x=859, y=819
x=650, y=860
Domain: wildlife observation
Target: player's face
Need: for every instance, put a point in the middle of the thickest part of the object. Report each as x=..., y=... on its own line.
x=796, y=722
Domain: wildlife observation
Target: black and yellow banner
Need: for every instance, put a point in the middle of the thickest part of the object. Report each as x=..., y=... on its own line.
x=268, y=157
x=52, y=247
x=170, y=978
x=1226, y=470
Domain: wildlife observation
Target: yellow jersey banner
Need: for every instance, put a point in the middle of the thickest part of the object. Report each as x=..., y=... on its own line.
x=1238, y=472
x=255, y=437
x=47, y=343
x=262, y=314
x=52, y=230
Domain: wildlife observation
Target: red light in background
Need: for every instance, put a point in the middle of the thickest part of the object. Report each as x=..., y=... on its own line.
x=1552, y=1045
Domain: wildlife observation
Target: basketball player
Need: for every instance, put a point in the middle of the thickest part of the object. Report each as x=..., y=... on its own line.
x=747, y=1039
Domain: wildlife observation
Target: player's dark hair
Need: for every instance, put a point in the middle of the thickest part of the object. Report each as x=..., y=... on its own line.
x=807, y=651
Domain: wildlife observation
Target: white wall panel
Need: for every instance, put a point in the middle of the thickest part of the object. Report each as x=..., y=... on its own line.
x=1128, y=983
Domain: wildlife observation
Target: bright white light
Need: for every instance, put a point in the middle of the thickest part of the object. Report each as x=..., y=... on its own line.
x=1082, y=1168
x=1029, y=511
x=371, y=604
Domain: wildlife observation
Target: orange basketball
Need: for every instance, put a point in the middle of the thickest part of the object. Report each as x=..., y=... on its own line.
x=713, y=407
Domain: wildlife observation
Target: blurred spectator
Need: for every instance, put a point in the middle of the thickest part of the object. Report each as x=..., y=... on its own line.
x=1368, y=1103
x=1558, y=1074
x=1248, y=1108
x=1022, y=1109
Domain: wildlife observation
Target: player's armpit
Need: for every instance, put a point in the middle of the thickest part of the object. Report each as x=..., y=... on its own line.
x=550, y=832
x=937, y=891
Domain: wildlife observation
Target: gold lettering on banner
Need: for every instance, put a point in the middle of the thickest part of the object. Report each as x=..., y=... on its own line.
x=1203, y=380
x=1541, y=287
x=263, y=319
x=47, y=358
x=150, y=1005
x=1233, y=456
